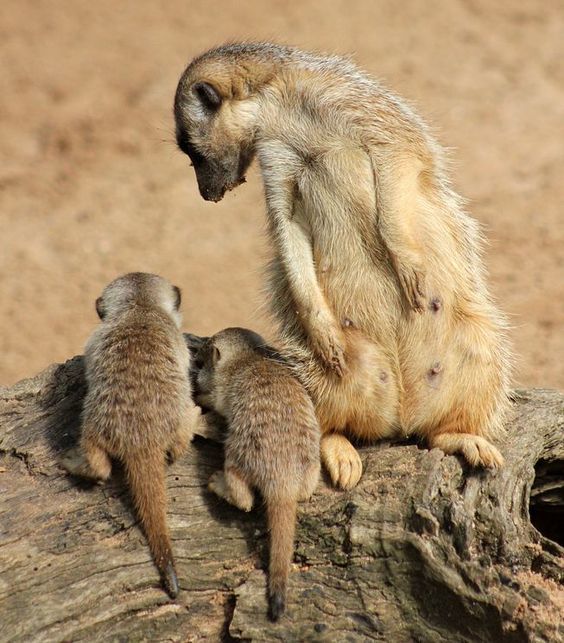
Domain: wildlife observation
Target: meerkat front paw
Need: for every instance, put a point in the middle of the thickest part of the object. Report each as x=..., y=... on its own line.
x=328, y=343
x=341, y=460
x=412, y=281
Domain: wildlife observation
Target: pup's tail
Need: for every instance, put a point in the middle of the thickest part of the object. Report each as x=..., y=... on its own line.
x=282, y=525
x=146, y=477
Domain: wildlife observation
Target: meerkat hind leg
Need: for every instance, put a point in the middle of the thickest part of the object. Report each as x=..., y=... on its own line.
x=88, y=461
x=183, y=434
x=476, y=450
x=233, y=488
x=341, y=460
x=311, y=478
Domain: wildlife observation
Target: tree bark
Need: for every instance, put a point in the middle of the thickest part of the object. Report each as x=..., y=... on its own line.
x=424, y=549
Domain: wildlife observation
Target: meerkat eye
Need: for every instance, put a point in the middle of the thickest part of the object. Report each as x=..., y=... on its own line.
x=208, y=94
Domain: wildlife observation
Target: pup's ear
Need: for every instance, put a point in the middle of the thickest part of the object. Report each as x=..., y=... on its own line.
x=178, y=297
x=100, y=308
x=209, y=95
x=215, y=355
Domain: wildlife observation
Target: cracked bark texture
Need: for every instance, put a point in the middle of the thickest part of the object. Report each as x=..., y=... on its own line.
x=422, y=550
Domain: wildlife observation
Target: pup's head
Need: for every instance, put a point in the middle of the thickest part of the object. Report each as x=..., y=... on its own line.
x=139, y=289
x=215, y=111
x=222, y=351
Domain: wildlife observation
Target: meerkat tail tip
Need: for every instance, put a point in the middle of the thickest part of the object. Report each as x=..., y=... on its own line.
x=277, y=605
x=170, y=580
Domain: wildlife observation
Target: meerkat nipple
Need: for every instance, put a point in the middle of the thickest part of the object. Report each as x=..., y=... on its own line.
x=434, y=375
x=435, y=304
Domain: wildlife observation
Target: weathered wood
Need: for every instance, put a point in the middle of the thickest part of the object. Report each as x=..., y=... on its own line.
x=423, y=549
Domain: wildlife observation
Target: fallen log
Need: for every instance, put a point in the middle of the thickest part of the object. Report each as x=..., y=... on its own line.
x=424, y=549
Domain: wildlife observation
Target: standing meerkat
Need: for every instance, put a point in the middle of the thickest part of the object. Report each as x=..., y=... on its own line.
x=138, y=406
x=272, y=441
x=377, y=280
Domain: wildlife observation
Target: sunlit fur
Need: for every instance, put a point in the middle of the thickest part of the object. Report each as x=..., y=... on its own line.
x=377, y=280
x=138, y=406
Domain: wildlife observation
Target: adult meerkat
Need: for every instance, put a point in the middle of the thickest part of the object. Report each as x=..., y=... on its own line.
x=272, y=441
x=377, y=280
x=138, y=406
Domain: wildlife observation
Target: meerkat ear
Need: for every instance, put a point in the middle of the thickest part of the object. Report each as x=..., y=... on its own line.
x=178, y=297
x=100, y=309
x=209, y=95
x=215, y=355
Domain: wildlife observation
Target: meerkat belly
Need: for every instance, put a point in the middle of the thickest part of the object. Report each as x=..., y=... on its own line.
x=352, y=270
x=360, y=289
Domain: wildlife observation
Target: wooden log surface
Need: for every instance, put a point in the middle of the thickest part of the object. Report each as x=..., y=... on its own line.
x=424, y=549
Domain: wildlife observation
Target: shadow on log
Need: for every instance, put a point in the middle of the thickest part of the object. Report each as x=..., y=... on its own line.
x=422, y=550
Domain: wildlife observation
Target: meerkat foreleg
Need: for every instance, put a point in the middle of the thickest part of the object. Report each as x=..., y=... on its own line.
x=232, y=487
x=341, y=460
x=397, y=186
x=294, y=245
x=323, y=330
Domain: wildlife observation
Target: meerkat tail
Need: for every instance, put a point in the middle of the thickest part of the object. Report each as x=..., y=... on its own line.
x=146, y=476
x=282, y=525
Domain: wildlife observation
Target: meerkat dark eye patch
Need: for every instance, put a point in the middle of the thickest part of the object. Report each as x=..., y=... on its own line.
x=184, y=145
x=100, y=308
x=208, y=94
x=178, y=297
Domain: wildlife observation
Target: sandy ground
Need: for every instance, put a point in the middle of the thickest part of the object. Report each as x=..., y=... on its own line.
x=91, y=184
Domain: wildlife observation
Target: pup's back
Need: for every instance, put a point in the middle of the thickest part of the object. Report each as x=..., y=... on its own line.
x=272, y=443
x=138, y=405
x=136, y=368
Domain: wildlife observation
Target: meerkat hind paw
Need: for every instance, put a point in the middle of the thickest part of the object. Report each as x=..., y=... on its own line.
x=342, y=461
x=73, y=460
x=476, y=450
x=218, y=484
x=76, y=463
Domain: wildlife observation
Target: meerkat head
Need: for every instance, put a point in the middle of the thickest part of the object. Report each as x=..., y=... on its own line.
x=222, y=351
x=215, y=110
x=139, y=289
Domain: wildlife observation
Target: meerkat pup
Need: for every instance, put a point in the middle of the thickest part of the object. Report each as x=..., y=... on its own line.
x=272, y=441
x=377, y=279
x=138, y=407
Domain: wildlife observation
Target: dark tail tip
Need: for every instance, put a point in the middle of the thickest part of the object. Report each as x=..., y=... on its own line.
x=277, y=606
x=170, y=581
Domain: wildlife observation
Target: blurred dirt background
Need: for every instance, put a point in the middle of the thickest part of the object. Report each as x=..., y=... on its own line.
x=91, y=184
